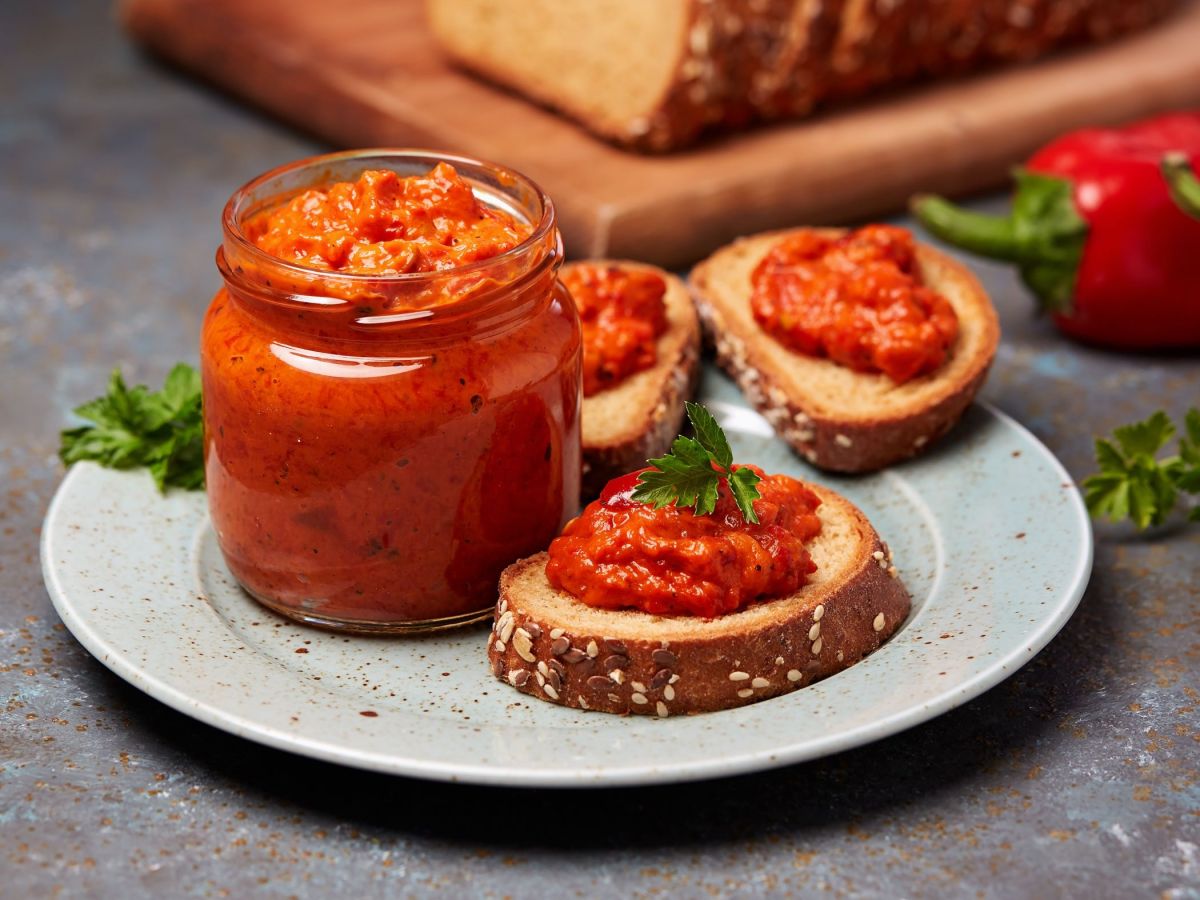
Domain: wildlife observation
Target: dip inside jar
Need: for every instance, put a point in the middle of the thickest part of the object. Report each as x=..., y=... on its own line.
x=380, y=440
x=387, y=224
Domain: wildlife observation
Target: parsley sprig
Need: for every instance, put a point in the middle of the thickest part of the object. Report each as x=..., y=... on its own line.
x=691, y=474
x=135, y=427
x=1133, y=482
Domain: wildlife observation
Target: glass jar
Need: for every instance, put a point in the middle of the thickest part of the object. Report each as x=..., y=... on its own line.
x=379, y=448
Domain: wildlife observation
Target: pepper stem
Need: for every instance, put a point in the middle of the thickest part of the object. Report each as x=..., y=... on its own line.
x=991, y=236
x=1044, y=235
x=1183, y=183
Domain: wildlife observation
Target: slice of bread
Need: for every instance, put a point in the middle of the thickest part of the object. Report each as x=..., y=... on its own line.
x=639, y=417
x=546, y=643
x=647, y=77
x=795, y=72
x=871, y=45
x=835, y=417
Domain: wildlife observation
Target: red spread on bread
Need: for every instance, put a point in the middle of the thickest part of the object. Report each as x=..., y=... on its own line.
x=623, y=554
x=857, y=299
x=623, y=314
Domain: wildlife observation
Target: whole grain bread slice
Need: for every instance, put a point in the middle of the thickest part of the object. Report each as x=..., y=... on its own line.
x=638, y=418
x=837, y=418
x=546, y=643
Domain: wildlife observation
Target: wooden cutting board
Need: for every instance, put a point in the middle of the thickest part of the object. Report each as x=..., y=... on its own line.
x=367, y=73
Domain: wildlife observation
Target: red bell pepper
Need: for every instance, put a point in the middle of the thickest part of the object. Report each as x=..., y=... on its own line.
x=1101, y=232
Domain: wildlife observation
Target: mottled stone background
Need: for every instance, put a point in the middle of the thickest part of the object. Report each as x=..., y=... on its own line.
x=1076, y=777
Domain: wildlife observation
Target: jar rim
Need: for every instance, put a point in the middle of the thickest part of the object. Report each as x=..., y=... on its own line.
x=232, y=225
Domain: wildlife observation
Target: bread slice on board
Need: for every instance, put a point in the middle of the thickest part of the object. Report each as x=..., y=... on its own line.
x=795, y=69
x=546, y=643
x=648, y=75
x=835, y=417
x=638, y=418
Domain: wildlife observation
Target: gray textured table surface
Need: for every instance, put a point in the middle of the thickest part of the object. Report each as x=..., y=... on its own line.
x=1079, y=776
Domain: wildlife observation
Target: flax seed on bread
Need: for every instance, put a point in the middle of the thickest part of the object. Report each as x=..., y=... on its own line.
x=625, y=425
x=837, y=418
x=546, y=643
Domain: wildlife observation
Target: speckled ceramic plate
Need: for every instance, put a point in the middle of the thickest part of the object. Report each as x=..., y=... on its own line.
x=988, y=531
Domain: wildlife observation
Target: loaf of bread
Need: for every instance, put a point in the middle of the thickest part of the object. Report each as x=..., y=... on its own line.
x=654, y=76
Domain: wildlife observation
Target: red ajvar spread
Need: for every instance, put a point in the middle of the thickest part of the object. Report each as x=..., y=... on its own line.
x=624, y=554
x=387, y=224
x=856, y=299
x=623, y=315
x=359, y=473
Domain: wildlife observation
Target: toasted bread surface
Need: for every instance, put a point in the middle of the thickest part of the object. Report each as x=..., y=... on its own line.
x=546, y=643
x=639, y=417
x=835, y=417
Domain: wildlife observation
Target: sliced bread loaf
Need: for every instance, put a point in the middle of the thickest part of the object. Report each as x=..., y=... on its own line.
x=835, y=417
x=546, y=643
x=655, y=74
x=639, y=417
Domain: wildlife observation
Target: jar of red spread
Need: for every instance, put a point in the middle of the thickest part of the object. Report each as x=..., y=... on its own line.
x=391, y=387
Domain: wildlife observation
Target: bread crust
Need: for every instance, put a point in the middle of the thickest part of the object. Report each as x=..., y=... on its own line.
x=695, y=98
x=547, y=644
x=638, y=418
x=794, y=69
x=824, y=435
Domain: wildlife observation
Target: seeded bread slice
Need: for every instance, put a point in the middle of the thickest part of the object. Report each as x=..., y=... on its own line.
x=837, y=418
x=638, y=418
x=546, y=643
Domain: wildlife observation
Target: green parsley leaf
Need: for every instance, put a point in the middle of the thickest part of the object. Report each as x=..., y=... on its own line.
x=709, y=434
x=1109, y=457
x=1189, y=445
x=1107, y=496
x=691, y=474
x=134, y=427
x=1145, y=438
x=1133, y=483
x=743, y=483
x=685, y=477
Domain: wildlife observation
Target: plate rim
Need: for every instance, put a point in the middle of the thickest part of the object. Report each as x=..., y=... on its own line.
x=583, y=775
